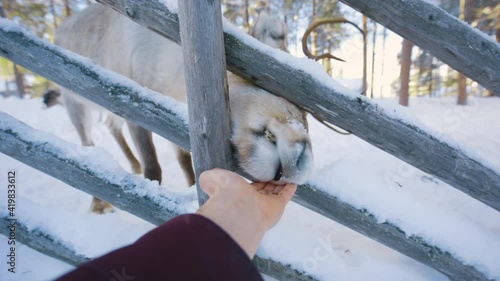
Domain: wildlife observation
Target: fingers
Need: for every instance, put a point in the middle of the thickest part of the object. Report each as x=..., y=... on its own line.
x=213, y=180
x=287, y=192
x=258, y=185
x=207, y=184
x=264, y=187
x=269, y=188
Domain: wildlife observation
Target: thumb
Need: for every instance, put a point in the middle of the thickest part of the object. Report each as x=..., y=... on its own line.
x=213, y=180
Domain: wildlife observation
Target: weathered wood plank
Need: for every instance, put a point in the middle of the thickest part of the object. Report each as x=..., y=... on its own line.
x=42, y=242
x=71, y=165
x=50, y=159
x=130, y=193
x=446, y=37
x=362, y=221
x=206, y=86
x=50, y=244
x=359, y=115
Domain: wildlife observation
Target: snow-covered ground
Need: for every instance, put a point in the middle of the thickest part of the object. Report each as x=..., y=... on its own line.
x=345, y=166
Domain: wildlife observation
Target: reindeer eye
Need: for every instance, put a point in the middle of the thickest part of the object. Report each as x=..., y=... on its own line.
x=279, y=37
x=270, y=136
x=267, y=134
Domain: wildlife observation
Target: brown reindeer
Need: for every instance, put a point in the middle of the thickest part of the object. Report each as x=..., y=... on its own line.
x=269, y=134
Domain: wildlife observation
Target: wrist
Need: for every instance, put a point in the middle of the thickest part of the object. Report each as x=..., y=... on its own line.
x=247, y=232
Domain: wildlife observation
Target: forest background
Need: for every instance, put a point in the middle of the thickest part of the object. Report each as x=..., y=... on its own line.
x=380, y=64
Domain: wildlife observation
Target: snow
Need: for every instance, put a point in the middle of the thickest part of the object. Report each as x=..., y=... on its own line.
x=172, y=5
x=345, y=166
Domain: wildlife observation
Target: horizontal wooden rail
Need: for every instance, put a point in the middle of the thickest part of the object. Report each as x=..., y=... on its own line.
x=361, y=116
x=63, y=161
x=446, y=37
x=43, y=242
x=311, y=197
x=131, y=193
x=50, y=244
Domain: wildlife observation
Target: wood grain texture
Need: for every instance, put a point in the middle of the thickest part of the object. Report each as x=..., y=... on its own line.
x=71, y=167
x=388, y=234
x=154, y=208
x=42, y=242
x=443, y=35
x=206, y=86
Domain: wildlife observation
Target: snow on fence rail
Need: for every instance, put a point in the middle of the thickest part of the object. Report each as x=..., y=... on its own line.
x=446, y=37
x=69, y=67
x=90, y=172
x=43, y=242
x=308, y=86
x=97, y=174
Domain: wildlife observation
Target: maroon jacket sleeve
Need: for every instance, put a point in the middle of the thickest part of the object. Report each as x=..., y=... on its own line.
x=188, y=247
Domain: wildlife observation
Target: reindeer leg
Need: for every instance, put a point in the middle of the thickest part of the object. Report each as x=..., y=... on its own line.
x=184, y=158
x=81, y=118
x=143, y=140
x=115, y=127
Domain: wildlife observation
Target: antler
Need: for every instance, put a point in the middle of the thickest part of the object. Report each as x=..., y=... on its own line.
x=308, y=53
x=318, y=23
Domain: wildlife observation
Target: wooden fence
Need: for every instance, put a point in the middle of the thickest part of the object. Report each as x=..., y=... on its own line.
x=267, y=69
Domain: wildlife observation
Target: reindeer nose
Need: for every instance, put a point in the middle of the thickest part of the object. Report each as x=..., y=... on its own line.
x=279, y=172
x=300, y=156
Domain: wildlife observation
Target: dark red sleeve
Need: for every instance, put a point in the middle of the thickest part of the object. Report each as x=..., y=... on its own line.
x=188, y=247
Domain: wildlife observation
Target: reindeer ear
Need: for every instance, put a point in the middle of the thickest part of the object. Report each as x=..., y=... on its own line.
x=277, y=29
x=270, y=31
x=260, y=27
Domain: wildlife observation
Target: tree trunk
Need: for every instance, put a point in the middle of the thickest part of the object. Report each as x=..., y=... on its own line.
x=67, y=8
x=419, y=77
x=382, y=70
x=431, y=78
x=247, y=17
x=467, y=15
x=7, y=88
x=19, y=81
x=313, y=33
x=327, y=63
x=462, y=89
x=373, y=58
x=405, y=72
x=2, y=10
x=53, y=11
x=497, y=33
x=365, y=53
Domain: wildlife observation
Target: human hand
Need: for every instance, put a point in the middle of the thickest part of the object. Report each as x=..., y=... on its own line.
x=245, y=211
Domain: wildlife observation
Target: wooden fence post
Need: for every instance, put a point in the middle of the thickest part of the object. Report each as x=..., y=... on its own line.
x=206, y=85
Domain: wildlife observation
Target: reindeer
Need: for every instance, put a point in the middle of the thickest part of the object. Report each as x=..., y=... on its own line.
x=269, y=134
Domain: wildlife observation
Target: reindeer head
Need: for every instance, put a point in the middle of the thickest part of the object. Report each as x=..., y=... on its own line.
x=269, y=133
x=270, y=31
